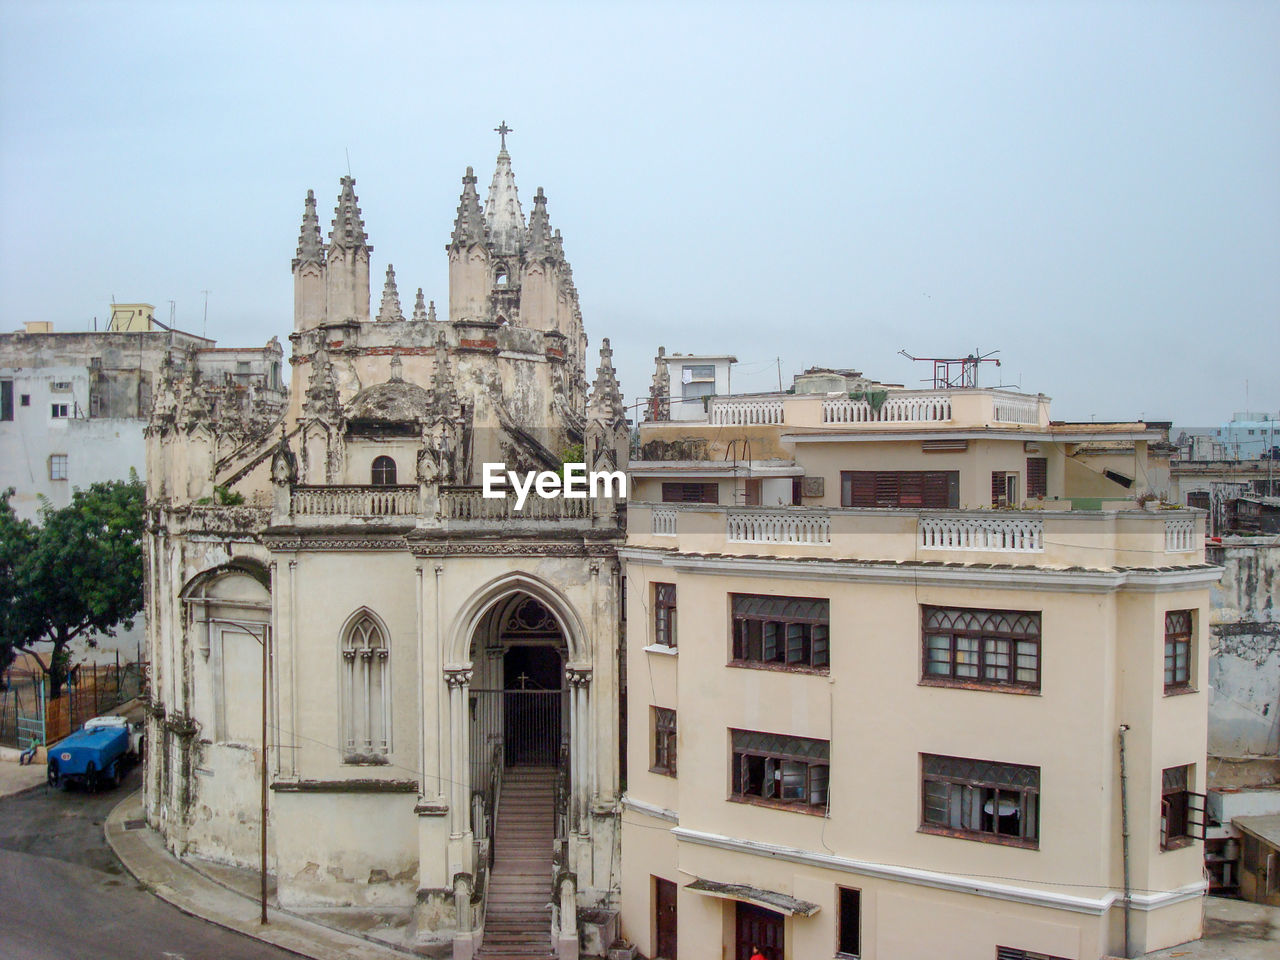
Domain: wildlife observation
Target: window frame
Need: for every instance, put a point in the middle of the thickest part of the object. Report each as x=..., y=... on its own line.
x=1037, y=478
x=992, y=794
x=365, y=640
x=787, y=752
x=665, y=758
x=59, y=411
x=6, y=400
x=1178, y=640
x=896, y=489
x=665, y=632
x=814, y=635
x=379, y=467
x=1179, y=807
x=679, y=491
x=986, y=656
x=856, y=896
x=63, y=461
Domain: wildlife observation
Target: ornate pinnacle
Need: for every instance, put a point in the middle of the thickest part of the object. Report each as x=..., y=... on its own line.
x=390, y=309
x=348, y=228
x=538, y=239
x=419, y=307
x=606, y=395
x=431, y=311
x=310, y=245
x=469, y=226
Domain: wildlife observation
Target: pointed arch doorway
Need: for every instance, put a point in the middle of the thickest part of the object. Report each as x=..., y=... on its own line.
x=519, y=712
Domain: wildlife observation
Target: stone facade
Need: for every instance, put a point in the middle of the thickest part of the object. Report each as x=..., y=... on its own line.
x=391, y=615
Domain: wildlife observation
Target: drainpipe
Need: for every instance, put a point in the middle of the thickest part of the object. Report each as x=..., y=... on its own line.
x=1124, y=835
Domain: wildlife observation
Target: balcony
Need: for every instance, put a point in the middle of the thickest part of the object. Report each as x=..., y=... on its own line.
x=468, y=504
x=967, y=408
x=355, y=502
x=1041, y=538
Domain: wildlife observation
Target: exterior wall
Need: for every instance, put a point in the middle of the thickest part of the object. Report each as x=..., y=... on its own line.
x=1244, y=665
x=1102, y=662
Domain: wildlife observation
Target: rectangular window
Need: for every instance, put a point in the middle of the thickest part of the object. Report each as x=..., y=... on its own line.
x=6, y=399
x=850, y=935
x=60, y=385
x=691, y=493
x=785, y=771
x=700, y=371
x=1177, y=651
x=980, y=800
x=1037, y=477
x=58, y=466
x=794, y=632
x=59, y=411
x=996, y=649
x=664, y=741
x=1182, y=816
x=1004, y=489
x=931, y=489
x=664, y=614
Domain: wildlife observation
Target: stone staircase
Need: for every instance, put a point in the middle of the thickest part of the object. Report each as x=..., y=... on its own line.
x=517, y=922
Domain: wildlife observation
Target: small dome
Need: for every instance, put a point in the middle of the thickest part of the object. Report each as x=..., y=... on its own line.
x=396, y=401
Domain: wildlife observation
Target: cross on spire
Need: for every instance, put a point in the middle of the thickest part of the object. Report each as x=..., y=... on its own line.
x=502, y=130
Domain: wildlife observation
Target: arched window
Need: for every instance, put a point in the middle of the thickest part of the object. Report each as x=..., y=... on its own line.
x=366, y=693
x=384, y=472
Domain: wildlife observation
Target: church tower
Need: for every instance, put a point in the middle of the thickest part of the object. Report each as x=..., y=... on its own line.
x=309, y=271
x=347, y=273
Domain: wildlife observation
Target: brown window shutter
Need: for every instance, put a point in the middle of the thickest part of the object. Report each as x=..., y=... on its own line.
x=1037, y=477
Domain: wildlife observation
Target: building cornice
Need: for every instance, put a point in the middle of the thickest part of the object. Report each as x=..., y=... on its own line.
x=650, y=810
x=958, y=575
x=956, y=883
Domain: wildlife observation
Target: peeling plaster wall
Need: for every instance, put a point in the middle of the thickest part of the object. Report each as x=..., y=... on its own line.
x=1244, y=645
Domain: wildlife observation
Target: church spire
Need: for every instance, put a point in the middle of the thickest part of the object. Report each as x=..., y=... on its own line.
x=390, y=309
x=420, y=307
x=348, y=227
x=605, y=404
x=310, y=244
x=502, y=213
x=538, y=240
x=468, y=228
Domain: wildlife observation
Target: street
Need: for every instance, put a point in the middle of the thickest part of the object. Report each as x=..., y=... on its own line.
x=65, y=896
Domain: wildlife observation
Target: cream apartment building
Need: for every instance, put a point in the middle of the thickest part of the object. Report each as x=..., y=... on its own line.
x=884, y=648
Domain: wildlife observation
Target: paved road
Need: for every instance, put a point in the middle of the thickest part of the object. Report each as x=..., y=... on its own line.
x=64, y=895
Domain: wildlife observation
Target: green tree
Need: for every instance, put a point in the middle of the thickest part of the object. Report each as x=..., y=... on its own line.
x=78, y=574
x=16, y=540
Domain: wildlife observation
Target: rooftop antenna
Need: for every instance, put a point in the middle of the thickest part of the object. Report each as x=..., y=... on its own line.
x=173, y=309
x=955, y=373
x=204, y=328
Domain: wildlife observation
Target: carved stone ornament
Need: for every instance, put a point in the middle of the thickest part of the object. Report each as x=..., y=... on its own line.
x=457, y=678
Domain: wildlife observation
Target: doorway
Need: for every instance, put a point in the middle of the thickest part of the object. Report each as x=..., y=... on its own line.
x=756, y=926
x=532, y=695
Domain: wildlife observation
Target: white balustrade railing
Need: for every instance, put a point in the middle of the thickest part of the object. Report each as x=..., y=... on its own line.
x=996, y=534
x=780, y=527
x=469, y=503
x=664, y=522
x=354, y=501
x=745, y=411
x=1016, y=409
x=1179, y=535
x=913, y=408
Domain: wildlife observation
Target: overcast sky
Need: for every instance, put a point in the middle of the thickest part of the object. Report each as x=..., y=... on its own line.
x=1093, y=189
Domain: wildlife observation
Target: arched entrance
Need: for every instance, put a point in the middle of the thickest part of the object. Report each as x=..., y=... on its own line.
x=518, y=708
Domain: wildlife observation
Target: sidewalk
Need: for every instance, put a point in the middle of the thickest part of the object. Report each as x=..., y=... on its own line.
x=14, y=778
x=143, y=854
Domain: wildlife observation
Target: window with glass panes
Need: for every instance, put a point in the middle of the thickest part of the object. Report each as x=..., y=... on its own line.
x=664, y=741
x=1177, y=650
x=793, y=632
x=790, y=771
x=988, y=648
x=980, y=799
x=664, y=614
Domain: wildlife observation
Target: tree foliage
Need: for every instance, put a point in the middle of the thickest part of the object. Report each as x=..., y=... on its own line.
x=76, y=575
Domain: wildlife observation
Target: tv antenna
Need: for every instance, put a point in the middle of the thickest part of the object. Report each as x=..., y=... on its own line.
x=955, y=373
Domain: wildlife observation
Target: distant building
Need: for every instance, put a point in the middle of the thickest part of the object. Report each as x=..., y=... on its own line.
x=1249, y=435
x=883, y=646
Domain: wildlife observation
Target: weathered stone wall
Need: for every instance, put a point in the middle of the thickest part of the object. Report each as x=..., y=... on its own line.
x=1244, y=658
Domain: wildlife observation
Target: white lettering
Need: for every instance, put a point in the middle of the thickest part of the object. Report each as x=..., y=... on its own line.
x=575, y=481
x=522, y=491
x=606, y=479
x=548, y=485
x=493, y=474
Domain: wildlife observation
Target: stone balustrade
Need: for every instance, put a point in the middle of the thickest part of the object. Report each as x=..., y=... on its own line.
x=995, y=534
x=906, y=407
x=470, y=504
x=354, y=501
x=1179, y=535
x=746, y=411
x=776, y=526
x=1013, y=409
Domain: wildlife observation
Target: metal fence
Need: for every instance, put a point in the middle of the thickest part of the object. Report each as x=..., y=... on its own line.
x=27, y=712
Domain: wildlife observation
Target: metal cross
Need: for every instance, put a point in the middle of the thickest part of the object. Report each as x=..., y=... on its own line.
x=524, y=681
x=502, y=130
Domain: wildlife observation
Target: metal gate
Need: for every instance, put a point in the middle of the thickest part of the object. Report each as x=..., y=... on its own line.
x=530, y=724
